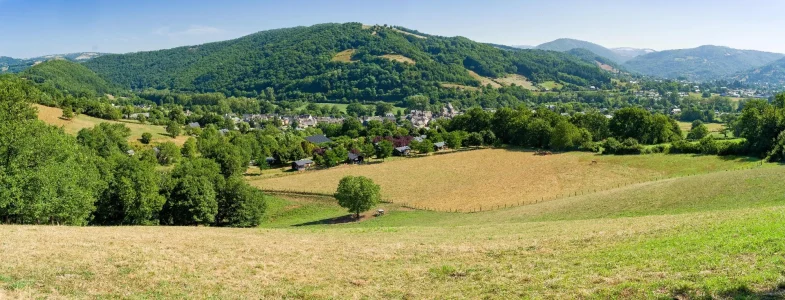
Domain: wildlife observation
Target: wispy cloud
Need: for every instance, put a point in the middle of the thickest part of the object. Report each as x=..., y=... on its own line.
x=193, y=30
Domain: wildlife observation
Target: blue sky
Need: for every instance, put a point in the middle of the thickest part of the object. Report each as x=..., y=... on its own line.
x=36, y=27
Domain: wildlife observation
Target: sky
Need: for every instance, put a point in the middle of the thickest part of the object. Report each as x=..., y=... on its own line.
x=30, y=28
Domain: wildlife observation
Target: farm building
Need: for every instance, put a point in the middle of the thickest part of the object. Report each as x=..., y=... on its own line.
x=402, y=151
x=355, y=158
x=301, y=165
x=318, y=139
x=439, y=146
x=194, y=125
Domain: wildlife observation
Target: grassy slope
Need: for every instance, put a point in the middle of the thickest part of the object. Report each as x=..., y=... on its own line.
x=484, y=179
x=712, y=235
x=52, y=115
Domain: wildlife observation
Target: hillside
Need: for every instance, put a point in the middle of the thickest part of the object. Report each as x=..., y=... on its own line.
x=592, y=58
x=564, y=45
x=771, y=74
x=651, y=241
x=298, y=63
x=702, y=63
x=67, y=77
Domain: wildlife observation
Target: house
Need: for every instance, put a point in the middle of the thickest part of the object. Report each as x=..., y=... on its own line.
x=402, y=151
x=318, y=139
x=420, y=118
x=271, y=161
x=194, y=125
x=439, y=146
x=136, y=116
x=302, y=165
x=449, y=111
x=355, y=158
x=223, y=131
x=676, y=111
x=306, y=121
x=130, y=152
x=420, y=138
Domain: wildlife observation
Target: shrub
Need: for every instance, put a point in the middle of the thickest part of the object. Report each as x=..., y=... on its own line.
x=146, y=138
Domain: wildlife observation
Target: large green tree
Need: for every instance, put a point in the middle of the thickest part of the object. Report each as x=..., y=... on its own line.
x=357, y=194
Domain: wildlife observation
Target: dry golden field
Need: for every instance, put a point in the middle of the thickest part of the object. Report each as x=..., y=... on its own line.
x=484, y=80
x=516, y=79
x=398, y=58
x=344, y=56
x=485, y=179
x=51, y=116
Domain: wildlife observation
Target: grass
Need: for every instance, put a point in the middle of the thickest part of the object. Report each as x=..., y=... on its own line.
x=399, y=58
x=484, y=81
x=488, y=179
x=344, y=56
x=550, y=85
x=342, y=107
x=52, y=115
x=713, y=127
x=714, y=235
x=516, y=79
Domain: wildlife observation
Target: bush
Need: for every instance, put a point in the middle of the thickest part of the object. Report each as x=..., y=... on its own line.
x=146, y=138
x=629, y=146
x=685, y=147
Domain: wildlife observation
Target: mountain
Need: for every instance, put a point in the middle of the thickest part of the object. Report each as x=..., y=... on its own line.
x=63, y=76
x=630, y=53
x=15, y=65
x=702, y=63
x=771, y=74
x=564, y=45
x=523, y=46
x=592, y=58
x=339, y=61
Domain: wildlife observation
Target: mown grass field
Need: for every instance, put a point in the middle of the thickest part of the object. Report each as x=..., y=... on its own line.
x=717, y=235
x=342, y=107
x=488, y=179
x=51, y=115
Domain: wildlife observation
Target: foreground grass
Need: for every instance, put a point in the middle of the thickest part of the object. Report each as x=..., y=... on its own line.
x=51, y=116
x=718, y=254
x=488, y=179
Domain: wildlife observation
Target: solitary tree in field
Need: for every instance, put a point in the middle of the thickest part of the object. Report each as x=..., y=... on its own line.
x=146, y=137
x=173, y=129
x=68, y=113
x=358, y=194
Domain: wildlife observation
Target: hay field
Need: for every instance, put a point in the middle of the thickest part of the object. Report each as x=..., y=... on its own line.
x=399, y=58
x=484, y=80
x=51, y=116
x=485, y=179
x=344, y=56
x=713, y=127
x=518, y=80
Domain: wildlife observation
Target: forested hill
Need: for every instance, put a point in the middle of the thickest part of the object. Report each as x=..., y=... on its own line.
x=592, y=58
x=564, y=45
x=702, y=63
x=771, y=74
x=336, y=61
x=58, y=77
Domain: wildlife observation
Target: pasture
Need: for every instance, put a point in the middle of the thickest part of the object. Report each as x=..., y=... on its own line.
x=342, y=107
x=488, y=179
x=713, y=127
x=484, y=81
x=344, y=56
x=632, y=242
x=516, y=79
x=51, y=116
x=399, y=58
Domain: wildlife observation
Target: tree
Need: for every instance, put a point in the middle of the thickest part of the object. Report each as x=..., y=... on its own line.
x=357, y=110
x=240, y=205
x=453, y=139
x=173, y=129
x=68, y=113
x=384, y=149
x=357, y=194
x=425, y=147
x=382, y=108
x=168, y=153
x=132, y=197
x=565, y=136
x=698, y=131
x=474, y=139
x=189, y=148
x=192, y=193
x=146, y=137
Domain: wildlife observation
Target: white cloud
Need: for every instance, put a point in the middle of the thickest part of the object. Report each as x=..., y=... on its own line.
x=193, y=30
